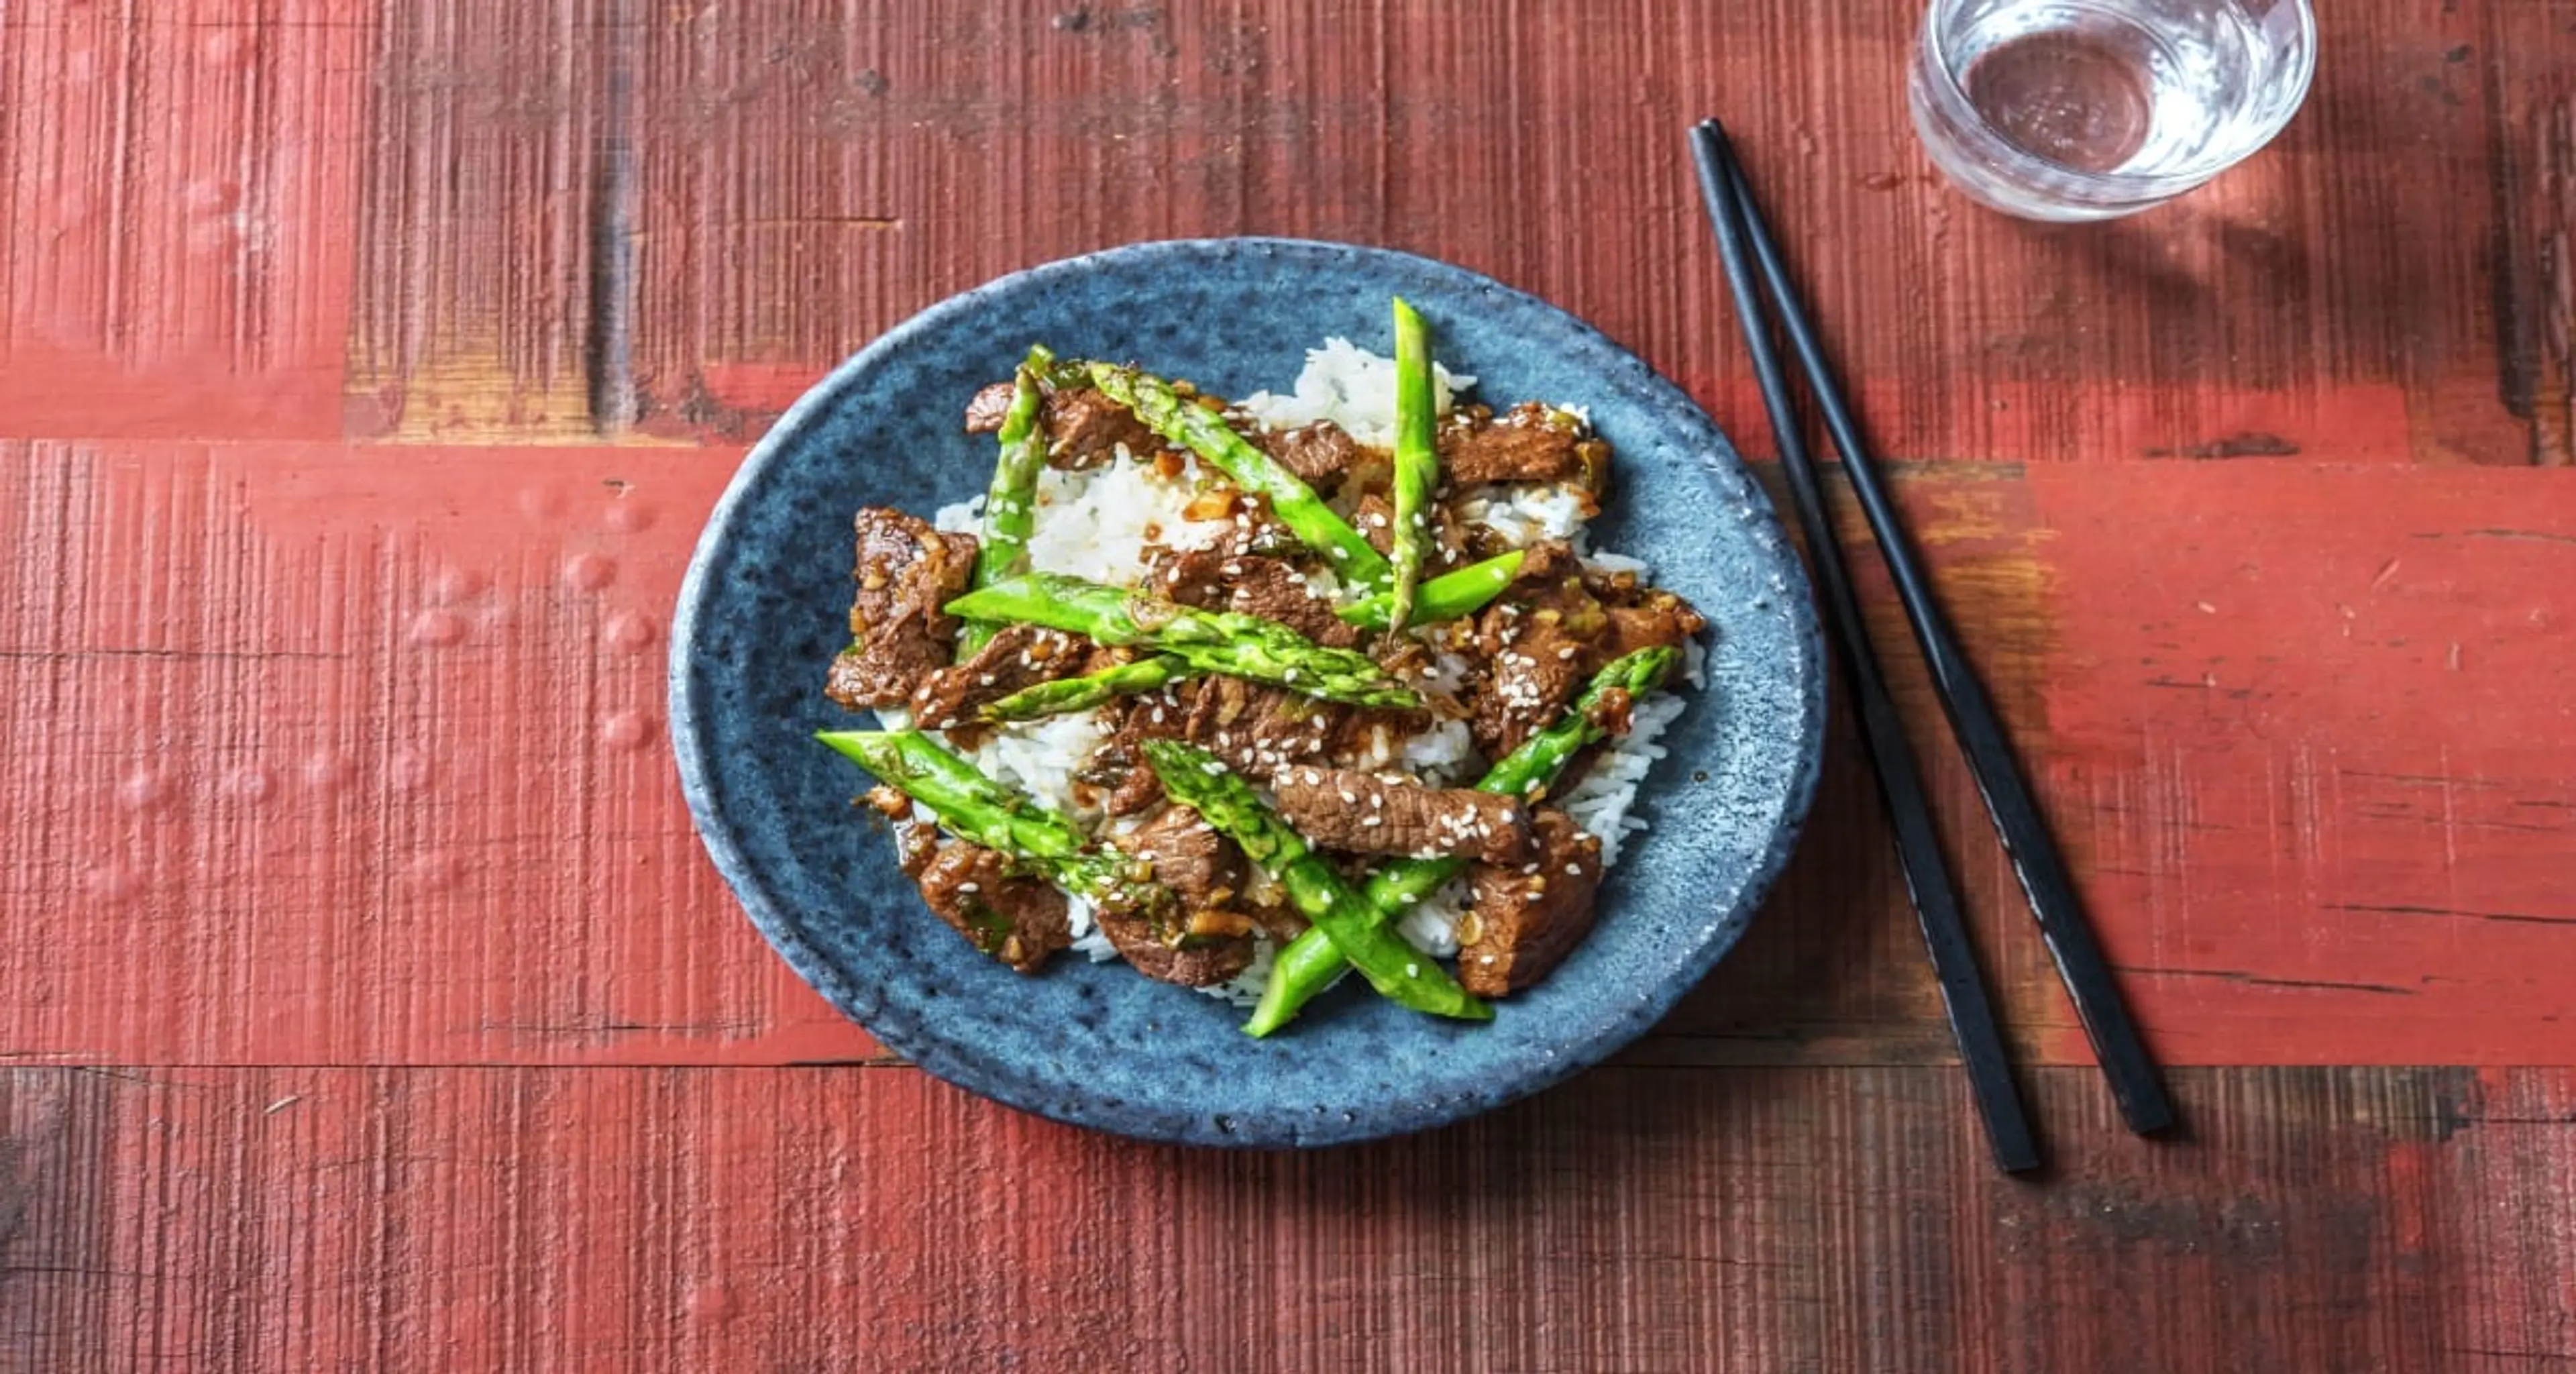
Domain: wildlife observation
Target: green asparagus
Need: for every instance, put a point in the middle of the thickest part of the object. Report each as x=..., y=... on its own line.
x=1310, y=962
x=1195, y=778
x=1205, y=641
x=1450, y=596
x=982, y=811
x=1206, y=434
x=1417, y=458
x=1010, y=506
x=1067, y=695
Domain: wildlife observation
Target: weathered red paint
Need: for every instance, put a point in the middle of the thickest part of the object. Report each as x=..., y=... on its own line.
x=373, y=998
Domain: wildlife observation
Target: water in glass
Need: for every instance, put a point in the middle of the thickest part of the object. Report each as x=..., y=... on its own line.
x=2083, y=109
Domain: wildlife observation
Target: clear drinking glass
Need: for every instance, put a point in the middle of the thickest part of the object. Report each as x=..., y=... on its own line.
x=2091, y=109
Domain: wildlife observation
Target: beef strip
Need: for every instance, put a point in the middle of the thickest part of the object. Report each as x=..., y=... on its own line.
x=1321, y=453
x=1206, y=936
x=1530, y=444
x=1083, y=428
x=1528, y=917
x=1189, y=857
x=1536, y=645
x=906, y=572
x=1257, y=729
x=1016, y=656
x=1453, y=539
x=1337, y=808
x=1194, y=962
x=1556, y=625
x=1249, y=584
x=1118, y=767
x=1661, y=620
x=986, y=409
x=1016, y=918
x=1272, y=590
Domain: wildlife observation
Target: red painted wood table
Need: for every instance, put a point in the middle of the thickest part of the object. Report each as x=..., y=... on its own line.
x=366, y=372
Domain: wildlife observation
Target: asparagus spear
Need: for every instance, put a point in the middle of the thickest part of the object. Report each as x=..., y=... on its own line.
x=1206, y=434
x=1310, y=962
x=1450, y=596
x=1417, y=460
x=1066, y=695
x=1206, y=641
x=1195, y=778
x=1010, y=505
x=1447, y=597
x=982, y=811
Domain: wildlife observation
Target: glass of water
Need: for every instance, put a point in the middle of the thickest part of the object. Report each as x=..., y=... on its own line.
x=2092, y=109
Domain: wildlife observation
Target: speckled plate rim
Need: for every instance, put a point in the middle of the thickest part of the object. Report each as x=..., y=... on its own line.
x=1722, y=466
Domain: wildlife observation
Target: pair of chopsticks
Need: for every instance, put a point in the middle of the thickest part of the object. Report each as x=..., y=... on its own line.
x=1753, y=264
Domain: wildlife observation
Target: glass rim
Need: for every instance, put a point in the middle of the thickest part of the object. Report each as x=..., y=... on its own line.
x=2140, y=185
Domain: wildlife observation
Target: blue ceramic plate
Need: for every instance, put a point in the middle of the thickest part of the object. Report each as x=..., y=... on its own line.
x=766, y=603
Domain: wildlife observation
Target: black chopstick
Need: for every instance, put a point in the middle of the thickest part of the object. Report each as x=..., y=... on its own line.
x=1900, y=786
x=2135, y=1084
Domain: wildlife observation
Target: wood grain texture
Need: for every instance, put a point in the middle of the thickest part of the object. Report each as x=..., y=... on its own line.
x=2379, y=287
x=392, y=784
x=367, y=370
x=177, y=179
x=1638, y=1220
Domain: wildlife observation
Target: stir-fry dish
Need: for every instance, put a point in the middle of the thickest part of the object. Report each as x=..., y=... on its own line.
x=1252, y=693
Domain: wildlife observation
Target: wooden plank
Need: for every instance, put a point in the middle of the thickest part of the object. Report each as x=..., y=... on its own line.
x=177, y=179
x=1635, y=1220
x=2377, y=288
x=390, y=782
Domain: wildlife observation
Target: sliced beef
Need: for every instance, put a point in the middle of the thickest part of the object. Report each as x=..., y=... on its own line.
x=986, y=409
x=1193, y=961
x=1454, y=540
x=1016, y=918
x=1528, y=917
x=1536, y=650
x=1188, y=576
x=1322, y=453
x=1374, y=518
x=1083, y=428
x=1558, y=624
x=1249, y=584
x=1127, y=785
x=1016, y=656
x=1258, y=729
x=1660, y=620
x=1272, y=590
x=1530, y=444
x=1186, y=855
x=906, y=572
x=1200, y=936
x=1338, y=808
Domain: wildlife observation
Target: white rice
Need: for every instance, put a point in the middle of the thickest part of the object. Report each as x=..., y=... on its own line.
x=1523, y=513
x=1601, y=802
x=1040, y=756
x=1441, y=754
x=1432, y=926
x=1351, y=387
x=1098, y=524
